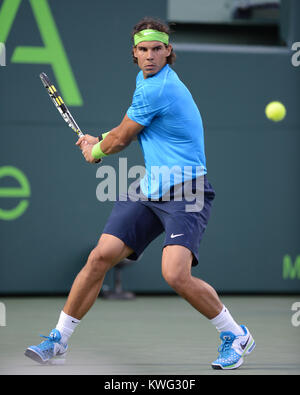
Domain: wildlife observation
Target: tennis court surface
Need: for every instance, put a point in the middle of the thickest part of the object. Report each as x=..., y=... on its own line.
x=151, y=335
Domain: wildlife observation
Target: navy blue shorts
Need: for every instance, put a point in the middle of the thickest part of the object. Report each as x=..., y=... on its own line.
x=138, y=223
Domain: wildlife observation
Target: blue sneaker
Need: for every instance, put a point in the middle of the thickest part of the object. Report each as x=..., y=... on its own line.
x=48, y=349
x=233, y=349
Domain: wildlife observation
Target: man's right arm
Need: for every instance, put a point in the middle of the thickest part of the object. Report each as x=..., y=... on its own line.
x=116, y=140
x=121, y=136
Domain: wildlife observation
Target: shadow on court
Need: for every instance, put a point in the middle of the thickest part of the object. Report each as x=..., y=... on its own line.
x=150, y=336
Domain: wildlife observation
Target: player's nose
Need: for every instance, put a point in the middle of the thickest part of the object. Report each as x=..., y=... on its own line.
x=150, y=54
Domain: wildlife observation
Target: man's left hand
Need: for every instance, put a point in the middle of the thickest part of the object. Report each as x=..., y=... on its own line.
x=87, y=152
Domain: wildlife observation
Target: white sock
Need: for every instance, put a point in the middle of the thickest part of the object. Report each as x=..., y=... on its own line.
x=224, y=322
x=66, y=326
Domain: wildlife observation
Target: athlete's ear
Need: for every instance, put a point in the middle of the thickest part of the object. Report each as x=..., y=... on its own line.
x=169, y=49
x=134, y=49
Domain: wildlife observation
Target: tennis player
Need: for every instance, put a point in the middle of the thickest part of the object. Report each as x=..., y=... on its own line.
x=166, y=121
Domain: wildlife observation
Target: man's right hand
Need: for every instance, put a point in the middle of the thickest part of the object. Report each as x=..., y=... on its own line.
x=88, y=139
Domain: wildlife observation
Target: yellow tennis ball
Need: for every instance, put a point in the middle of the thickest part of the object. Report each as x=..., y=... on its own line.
x=275, y=111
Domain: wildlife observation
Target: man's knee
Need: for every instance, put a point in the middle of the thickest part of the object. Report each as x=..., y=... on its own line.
x=99, y=261
x=109, y=251
x=176, y=266
x=175, y=277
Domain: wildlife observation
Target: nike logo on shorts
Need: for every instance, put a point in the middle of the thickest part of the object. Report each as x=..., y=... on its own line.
x=173, y=236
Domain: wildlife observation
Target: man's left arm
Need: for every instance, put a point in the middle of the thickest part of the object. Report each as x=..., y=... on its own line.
x=115, y=141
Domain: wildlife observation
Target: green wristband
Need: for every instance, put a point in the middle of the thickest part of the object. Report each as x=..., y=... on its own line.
x=97, y=152
x=103, y=135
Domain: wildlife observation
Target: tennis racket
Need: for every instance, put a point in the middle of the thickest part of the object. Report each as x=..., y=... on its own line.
x=60, y=105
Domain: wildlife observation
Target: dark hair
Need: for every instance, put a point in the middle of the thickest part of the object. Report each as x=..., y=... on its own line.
x=155, y=24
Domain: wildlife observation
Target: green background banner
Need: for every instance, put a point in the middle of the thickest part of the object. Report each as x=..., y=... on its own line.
x=50, y=217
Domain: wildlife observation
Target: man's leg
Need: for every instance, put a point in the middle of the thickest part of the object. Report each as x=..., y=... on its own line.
x=85, y=290
x=109, y=251
x=176, y=270
x=236, y=339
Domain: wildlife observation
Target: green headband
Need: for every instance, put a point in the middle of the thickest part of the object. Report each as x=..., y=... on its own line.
x=151, y=35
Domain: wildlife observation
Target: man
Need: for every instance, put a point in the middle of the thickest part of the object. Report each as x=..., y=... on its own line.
x=165, y=119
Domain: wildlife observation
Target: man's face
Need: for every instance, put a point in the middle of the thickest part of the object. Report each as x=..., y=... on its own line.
x=151, y=56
